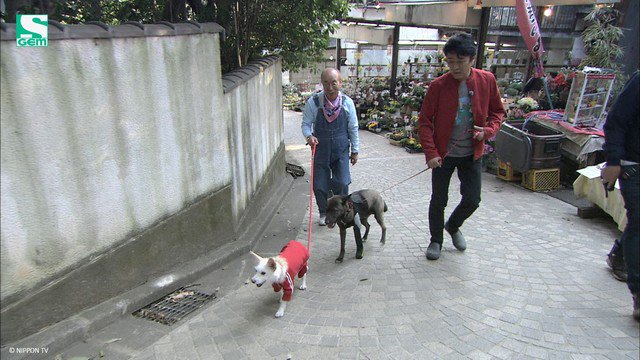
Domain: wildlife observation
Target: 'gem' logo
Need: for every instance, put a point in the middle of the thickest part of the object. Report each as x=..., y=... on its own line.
x=32, y=30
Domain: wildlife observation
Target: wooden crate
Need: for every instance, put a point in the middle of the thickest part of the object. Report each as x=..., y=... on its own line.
x=506, y=172
x=541, y=179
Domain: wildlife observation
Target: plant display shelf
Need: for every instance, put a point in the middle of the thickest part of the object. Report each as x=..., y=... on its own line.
x=588, y=98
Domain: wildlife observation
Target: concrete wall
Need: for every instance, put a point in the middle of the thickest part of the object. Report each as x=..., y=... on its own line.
x=254, y=97
x=122, y=157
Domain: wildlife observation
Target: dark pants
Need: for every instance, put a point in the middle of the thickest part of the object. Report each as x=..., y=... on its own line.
x=470, y=175
x=630, y=189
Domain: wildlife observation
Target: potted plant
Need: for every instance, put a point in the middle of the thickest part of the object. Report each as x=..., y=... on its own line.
x=395, y=138
x=489, y=158
x=413, y=146
x=527, y=104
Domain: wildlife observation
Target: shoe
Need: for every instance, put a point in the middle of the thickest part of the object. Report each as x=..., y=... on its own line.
x=433, y=251
x=619, y=272
x=636, y=307
x=615, y=260
x=458, y=240
x=322, y=221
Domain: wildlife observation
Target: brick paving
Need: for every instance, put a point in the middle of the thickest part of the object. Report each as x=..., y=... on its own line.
x=532, y=284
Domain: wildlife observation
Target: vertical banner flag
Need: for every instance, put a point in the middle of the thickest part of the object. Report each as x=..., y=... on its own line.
x=528, y=25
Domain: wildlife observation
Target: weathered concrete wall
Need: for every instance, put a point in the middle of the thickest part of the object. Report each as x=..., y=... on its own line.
x=254, y=97
x=119, y=161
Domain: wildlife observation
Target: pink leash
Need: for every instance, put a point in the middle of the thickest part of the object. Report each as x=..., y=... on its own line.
x=313, y=153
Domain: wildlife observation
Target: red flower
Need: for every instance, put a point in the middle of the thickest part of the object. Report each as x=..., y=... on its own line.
x=560, y=80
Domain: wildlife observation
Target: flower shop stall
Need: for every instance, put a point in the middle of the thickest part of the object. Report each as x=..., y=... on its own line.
x=574, y=107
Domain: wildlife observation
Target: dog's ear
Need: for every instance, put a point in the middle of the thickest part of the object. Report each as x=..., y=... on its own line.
x=271, y=263
x=256, y=256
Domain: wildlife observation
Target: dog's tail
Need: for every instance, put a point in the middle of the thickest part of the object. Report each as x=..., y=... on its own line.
x=385, y=207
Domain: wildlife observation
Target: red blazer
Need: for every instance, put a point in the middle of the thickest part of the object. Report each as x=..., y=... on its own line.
x=440, y=108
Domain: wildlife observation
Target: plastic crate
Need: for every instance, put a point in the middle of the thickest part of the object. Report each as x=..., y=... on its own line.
x=506, y=172
x=541, y=179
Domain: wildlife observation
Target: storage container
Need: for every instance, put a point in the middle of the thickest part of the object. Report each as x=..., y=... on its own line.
x=506, y=172
x=537, y=146
x=541, y=179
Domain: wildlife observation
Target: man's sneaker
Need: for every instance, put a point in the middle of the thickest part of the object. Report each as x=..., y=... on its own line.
x=322, y=219
x=458, y=240
x=615, y=260
x=433, y=251
x=636, y=306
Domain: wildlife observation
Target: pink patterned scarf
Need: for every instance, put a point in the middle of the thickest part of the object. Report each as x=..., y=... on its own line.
x=331, y=109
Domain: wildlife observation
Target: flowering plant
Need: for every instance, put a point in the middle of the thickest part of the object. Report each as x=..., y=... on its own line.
x=489, y=146
x=372, y=125
x=527, y=104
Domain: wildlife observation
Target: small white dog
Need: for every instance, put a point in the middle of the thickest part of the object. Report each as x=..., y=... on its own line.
x=281, y=271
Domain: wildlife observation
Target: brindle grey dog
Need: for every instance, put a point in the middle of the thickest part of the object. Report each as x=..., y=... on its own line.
x=354, y=210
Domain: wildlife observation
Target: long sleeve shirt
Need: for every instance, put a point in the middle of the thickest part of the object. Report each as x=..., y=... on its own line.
x=621, y=134
x=311, y=110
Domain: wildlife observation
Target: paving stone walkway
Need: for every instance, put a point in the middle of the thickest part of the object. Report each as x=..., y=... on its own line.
x=532, y=284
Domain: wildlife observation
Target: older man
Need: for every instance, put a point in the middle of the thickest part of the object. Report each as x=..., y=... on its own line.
x=330, y=124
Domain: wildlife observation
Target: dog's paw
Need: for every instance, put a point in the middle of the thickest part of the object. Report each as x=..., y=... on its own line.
x=303, y=287
x=364, y=239
x=338, y=260
x=360, y=255
x=280, y=314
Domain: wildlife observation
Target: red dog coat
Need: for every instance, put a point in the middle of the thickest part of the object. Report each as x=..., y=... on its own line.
x=296, y=255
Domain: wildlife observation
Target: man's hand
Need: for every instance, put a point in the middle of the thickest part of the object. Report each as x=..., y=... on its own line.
x=478, y=133
x=312, y=140
x=609, y=175
x=435, y=162
x=354, y=159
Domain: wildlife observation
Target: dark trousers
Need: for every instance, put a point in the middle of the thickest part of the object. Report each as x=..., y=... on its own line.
x=470, y=175
x=630, y=240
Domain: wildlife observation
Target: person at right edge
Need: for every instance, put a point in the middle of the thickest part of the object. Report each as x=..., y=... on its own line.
x=461, y=109
x=622, y=153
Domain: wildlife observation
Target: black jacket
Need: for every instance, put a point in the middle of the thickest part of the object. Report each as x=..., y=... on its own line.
x=621, y=134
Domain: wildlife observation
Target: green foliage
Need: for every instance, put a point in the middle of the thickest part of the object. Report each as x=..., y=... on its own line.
x=297, y=30
x=503, y=83
x=512, y=92
x=601, y=44
x=516, y=85
x=419, y=92
x=601, y=38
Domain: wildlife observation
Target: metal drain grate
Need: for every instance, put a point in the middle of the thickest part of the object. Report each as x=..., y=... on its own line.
x=174, y=306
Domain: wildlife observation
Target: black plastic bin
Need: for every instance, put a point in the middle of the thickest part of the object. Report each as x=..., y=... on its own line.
x=537, y=146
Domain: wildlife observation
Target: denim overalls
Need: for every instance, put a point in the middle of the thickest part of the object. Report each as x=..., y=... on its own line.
x=331, y=162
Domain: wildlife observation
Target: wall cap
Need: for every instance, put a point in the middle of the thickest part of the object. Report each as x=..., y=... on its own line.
x=100, y=30
x=237, y=77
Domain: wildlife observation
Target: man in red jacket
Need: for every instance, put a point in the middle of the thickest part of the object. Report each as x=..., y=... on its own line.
x=461, y=109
